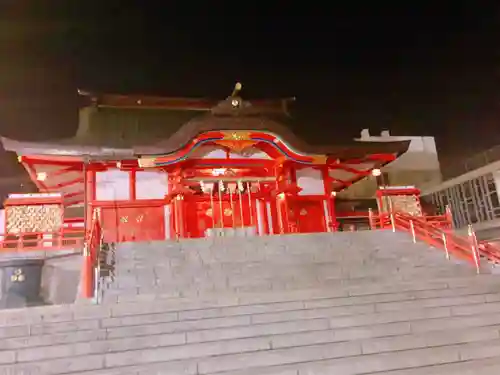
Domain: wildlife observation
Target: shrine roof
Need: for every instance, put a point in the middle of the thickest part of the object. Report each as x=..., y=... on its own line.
x=126, y=126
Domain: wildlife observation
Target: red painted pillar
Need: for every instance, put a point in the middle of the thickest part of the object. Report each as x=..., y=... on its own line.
x=283, y=220
x=293, y=211
x=281, y=204
x=333, y=216
x=90, y=196
x=179, y=216
x=330, y=200
x=265, y=217
x=132, y=188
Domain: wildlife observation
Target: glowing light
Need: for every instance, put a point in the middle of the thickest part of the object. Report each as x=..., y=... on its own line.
x=41, y=176
x=118, y=164
x=376, y=172
x=235, y=103
x=218, y=172
x=334, y=193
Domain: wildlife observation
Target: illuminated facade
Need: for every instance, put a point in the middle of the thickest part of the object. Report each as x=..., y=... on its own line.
x=167, y=168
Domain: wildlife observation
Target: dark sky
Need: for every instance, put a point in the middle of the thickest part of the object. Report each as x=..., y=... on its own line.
x=419, y=67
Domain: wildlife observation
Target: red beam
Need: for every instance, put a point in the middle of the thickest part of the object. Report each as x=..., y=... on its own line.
x=351, y=170
x=67, y=183
x=74, y=194
x=32, y=173
x=217, y=163
x=49, y=161
x=382, y=157
x=63, y=171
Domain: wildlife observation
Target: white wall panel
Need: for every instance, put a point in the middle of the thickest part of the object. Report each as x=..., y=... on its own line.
x=311, y=181
x=112, y=185
x=151, y=185
x=2, y=223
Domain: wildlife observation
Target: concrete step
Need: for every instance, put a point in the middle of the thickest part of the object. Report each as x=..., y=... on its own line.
x=488, y=366
x=360, y=303
x=384, y=297
x=193, y=288
x=258, y=356
x=234, y=321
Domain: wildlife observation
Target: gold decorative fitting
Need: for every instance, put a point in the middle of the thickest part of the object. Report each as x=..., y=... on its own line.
x=146, y=162
x=236, y=136
x=237, y=146
x=228, y=212
x=18, y=276
x=139, y=218
x=319, y=159
x=124, y=219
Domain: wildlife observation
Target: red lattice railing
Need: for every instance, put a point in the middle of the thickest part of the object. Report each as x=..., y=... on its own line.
x=437, y=232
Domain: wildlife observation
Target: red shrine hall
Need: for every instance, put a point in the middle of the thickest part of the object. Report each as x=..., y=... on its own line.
x=166, y=168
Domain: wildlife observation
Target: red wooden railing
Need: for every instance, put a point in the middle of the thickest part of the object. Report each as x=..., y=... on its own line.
x=465, y=248
x=66, y=239
x=436, y=231
x=92, y=246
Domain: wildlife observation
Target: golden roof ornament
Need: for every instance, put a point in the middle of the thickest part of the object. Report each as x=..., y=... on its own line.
x=237, y=88
x=235, y=98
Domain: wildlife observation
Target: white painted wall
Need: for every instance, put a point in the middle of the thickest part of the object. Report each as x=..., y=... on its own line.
x=2, y=223
x=496, y=178
x=419, y=166
x=151, y=185
x=113, y=185
x=311, y=181
x=421, y=155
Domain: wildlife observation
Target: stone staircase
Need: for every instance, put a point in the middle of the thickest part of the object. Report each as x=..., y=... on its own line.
x=343, y=303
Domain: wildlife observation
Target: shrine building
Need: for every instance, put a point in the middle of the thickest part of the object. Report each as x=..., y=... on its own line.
x=160, y=168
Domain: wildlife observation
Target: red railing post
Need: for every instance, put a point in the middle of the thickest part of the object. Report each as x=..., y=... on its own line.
x=87, y=273
x=370, y=219
x=445, y=244
x=412, y=227
x=474, y=249
x=20, y=242
x=90, y=249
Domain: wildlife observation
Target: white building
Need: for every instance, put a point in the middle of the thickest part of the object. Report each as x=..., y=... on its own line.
x=419, y=166
x=473, y=194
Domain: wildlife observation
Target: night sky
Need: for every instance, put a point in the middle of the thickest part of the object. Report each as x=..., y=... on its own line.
x=417, y=68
